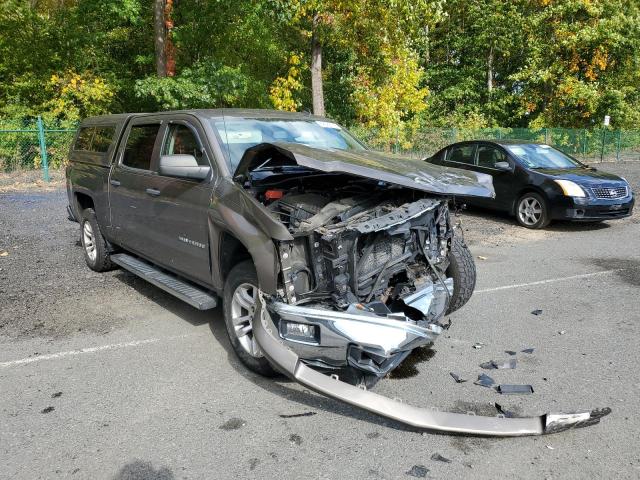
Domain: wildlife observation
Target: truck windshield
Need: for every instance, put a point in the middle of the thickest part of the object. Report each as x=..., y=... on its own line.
x=239, y=134
x=534, y=155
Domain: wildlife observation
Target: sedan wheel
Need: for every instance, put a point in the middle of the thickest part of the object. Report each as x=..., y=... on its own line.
x=532, y=211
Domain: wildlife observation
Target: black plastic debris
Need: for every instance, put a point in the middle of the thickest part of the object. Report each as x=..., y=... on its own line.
x=56, y=395
x=510, y=352
x=439, y=458
x=478, y=345
x=515, y=389
x=48, y=410
x=499, y=365
x=484, y=381
x=528, y=350
x=501, y=410
x=537, y=312
x=296, y=415
x=457, y=378
x=418, y=471
x=446, y=326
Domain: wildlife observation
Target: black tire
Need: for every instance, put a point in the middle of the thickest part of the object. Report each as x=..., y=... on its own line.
x=243, y=273
x=542, y=219
x=462, y=269
x=98, y=260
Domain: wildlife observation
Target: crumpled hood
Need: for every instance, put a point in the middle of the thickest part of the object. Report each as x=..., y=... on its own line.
x=389, y=168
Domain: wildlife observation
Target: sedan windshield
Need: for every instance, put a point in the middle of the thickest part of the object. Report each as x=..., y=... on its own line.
x=239, y=134
x=542, y=156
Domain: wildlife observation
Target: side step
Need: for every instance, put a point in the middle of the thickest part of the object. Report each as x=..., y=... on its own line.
x=186, y=292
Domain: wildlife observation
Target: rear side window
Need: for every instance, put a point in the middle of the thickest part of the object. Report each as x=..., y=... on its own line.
x=83, y=142
x=94, y=139
x=461, y=154
x=488, y=156
x=102, y=138
x=182, y=141
x=139, y=148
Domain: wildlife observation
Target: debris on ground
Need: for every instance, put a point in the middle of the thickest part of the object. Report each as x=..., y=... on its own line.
x=56, y=395
x=233, y=424
x=296, y=415
x=446, y=326
x=484, y=381
x=295, y=438
x=418, y=471
x=562, y=332
x=48, y=410
x=4, y=253
x=501, y=410
x=509, y=352
x=528, y=350
x=499, y=365
x=439, y=458
x=515, y=389
x=537, y=312
x=478, y=345
x=457, y=378
x=480, y=257
x=549, y=447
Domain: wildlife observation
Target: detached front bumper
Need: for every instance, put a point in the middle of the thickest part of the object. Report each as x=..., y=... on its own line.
x=268, y=338
x=372, y=342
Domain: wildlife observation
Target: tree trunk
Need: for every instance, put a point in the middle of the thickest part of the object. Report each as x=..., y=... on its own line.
x=169, y=49
x=160, y=36
x=317, y=93
x=490, y=70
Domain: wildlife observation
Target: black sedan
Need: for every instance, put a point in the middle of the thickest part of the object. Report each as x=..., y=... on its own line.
x=537, y=183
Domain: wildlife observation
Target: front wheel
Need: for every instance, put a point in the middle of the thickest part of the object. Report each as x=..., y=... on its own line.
x=96, y=248
x=532, y=211
x=462, y=269
x=239, y=305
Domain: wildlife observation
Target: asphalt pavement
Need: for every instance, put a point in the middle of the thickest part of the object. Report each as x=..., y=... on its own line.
x=105, y=376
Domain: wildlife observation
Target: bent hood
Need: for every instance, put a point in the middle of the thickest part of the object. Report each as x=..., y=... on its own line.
x=389, y=168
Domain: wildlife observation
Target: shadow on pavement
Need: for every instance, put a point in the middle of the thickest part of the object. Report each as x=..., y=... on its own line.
x=140, y=470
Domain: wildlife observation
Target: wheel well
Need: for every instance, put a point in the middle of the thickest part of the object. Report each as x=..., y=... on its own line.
x=83, y=201
x=232, y=252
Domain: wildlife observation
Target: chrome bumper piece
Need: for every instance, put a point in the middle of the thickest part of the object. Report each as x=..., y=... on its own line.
x=268, y=338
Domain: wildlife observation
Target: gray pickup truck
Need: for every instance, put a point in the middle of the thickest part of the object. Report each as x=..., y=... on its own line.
x=332, y=262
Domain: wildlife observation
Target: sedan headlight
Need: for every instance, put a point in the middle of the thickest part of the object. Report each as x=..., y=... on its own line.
x=570, y=189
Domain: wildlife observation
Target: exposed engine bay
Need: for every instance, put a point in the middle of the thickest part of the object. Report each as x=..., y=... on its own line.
x=362, y=248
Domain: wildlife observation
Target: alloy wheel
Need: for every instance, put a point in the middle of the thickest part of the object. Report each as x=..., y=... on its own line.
x=530, y=211
x=243, y=307
x=88, y=239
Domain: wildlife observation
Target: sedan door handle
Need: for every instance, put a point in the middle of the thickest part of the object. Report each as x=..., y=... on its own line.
x=115, y=183
x=153, y=191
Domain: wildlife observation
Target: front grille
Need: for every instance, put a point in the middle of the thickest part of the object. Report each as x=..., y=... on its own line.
x=610, y=192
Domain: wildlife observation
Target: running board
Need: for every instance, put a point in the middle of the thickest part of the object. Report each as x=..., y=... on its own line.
x=186, y=292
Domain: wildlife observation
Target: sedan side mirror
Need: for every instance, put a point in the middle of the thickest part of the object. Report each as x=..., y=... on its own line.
x=503, y=166
x=183, y=166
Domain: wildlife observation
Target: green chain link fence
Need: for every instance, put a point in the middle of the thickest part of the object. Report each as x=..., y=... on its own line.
x=30, y=144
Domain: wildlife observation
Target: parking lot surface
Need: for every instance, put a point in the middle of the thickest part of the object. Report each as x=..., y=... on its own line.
x=105, y=376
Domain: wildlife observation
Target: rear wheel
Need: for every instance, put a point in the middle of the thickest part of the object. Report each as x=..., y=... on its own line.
x=239, y=305
x=462, y=269
x=531, y=211
x=94, y=245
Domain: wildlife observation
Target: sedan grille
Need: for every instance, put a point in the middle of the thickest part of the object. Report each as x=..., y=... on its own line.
x=610, y=192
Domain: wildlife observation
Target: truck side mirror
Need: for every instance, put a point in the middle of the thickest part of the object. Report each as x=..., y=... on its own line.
x=503, y=166
x=183, y=166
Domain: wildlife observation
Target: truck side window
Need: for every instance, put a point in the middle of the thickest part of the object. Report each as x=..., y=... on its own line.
x=182, y=141
x=139, y=148
x=102, y=139
x=83, y=142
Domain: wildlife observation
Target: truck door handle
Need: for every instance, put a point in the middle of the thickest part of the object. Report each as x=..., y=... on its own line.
x=153, y=191
x=115, y=183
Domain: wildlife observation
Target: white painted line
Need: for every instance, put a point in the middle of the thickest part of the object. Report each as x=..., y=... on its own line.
x=101, y=348
x=551, y=280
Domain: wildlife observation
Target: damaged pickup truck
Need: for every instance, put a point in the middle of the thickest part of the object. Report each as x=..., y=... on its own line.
x=332, y=262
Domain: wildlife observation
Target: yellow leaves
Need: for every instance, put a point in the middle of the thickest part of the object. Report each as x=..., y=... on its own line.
x=283, y=90
x=75, y=95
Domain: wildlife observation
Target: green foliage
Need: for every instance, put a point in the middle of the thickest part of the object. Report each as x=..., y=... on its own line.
x=394, y=67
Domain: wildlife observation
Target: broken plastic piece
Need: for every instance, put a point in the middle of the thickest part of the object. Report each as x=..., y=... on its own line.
x=457, y=378
x=500, y=365
x=478, y=345
x=537, y=312
x=509, y=352
x=484, y=381
x=504, y=412
x=515, y=389
x=439, y=458
x=273, y=194
x=528, y=350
